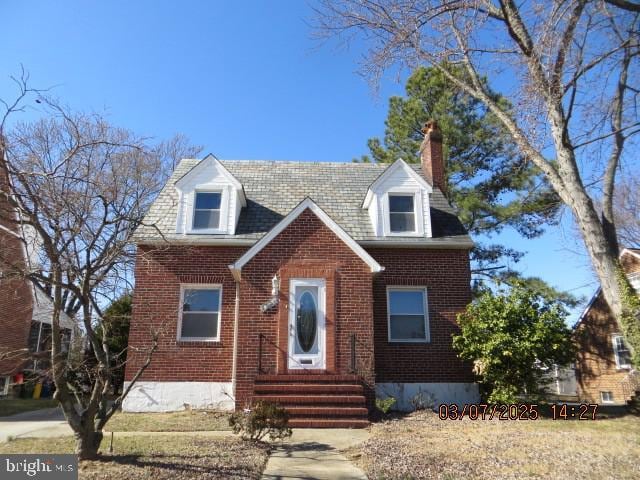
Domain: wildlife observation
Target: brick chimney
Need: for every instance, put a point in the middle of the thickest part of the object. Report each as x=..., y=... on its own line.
x=431, y=156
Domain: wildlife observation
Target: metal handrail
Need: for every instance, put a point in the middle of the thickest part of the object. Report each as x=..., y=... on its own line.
x=261, y=339
x=352, y=366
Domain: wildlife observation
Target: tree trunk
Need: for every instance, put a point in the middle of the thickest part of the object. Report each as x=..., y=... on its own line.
x=602, y=249
x=87, y=444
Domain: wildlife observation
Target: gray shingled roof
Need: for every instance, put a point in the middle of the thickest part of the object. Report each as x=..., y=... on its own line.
x=274, y=188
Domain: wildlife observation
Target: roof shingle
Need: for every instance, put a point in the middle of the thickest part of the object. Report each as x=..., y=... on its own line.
x=274, y=188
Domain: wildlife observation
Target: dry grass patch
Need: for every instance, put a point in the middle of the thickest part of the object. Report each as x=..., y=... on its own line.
x=185, y=421
x=159, y=457
x=421, y=446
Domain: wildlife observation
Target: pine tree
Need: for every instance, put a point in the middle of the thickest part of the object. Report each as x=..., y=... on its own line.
x=490, y=184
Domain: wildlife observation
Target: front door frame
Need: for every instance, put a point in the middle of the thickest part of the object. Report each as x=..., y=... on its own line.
x=319, y=360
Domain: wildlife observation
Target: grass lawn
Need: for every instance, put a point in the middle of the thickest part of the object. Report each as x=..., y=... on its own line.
x=11, y=406
x=185, y=421
x=159, y=457
x=421, y=446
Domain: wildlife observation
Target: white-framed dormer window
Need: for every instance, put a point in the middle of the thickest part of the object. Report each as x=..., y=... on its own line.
x=403, y=213
x=407, y=314
x=398, y=202
x=210, y=199
x=199, y=318
x=207, y=207
x=621, y=351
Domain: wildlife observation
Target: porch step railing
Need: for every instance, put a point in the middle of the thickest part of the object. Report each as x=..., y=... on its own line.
x=352, y=352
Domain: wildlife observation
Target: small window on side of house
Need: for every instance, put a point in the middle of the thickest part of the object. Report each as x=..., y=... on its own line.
x=200, y=313
x=402, y=217
x=206, y=211
x=407, y=314
x=606, y=397
x=621, y=352
x=4, y=385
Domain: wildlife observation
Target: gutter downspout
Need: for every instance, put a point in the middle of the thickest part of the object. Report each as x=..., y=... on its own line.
x=234, y=366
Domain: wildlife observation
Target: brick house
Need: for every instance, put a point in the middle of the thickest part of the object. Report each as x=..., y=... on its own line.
x=603, y=368
x=25, y=310
x=315, y=285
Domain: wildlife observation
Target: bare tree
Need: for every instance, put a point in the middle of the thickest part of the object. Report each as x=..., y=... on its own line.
x=82, y=186
x=626, y=210
x=570, y=68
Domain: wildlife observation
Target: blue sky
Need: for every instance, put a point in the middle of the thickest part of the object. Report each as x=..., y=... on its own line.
x=243, y=79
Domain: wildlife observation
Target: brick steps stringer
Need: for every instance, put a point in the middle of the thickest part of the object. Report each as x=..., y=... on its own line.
x=316, y=401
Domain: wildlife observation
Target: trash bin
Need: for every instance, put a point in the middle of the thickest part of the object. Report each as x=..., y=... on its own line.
x=37, y=390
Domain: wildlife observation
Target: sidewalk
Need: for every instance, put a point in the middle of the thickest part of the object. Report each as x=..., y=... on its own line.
x=314, y=454
x=48, y=422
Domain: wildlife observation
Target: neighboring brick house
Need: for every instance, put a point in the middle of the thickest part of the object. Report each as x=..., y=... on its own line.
x=25, y=310
x=310, y=284
x=603, y=367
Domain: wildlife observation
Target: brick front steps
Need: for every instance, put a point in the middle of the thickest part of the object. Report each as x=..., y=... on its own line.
x=316, y=400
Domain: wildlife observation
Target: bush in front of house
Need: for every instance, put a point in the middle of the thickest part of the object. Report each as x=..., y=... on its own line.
x=262, y=420
x=513, y=337
x=385, y=404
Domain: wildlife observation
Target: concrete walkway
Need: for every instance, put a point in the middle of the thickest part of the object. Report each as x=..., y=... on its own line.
x=315, y=454
x=50, y=422
x=47, y=422
x=310, y=454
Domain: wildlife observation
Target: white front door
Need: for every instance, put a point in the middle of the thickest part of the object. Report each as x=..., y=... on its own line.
x=307, y=338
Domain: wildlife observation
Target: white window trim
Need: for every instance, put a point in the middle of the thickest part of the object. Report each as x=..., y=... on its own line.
x=619, y=366
x=427, y=338
x=224, y=212
x=198, y=286
x=418, y=212
x=5, y=390
x=321, y=357
x=634, y=280
x=602, y=400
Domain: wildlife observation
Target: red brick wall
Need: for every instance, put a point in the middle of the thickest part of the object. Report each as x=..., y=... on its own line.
x=16, y=301
x=156, y=302
x=306, y=248
x=596, y=369
x=446, y=275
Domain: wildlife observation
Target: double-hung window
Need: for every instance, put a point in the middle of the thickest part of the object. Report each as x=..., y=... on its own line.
x=206, y=212
x=402, y=217
x=408, y=318
x=621, y=352
x=200, y=313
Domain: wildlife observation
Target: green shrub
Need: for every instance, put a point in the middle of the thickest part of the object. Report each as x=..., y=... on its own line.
x=513, y=337
x=263, y=419
x=385, y=404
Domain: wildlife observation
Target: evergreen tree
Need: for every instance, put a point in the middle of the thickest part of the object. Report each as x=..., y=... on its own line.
x=490, y=184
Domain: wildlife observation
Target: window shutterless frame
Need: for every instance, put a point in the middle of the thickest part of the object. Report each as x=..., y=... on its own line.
x=418, y=213
x=199, y=286
x=618, y=341
x=423, y=290
x=223, y=211
x=201, y=209
x=606, y=397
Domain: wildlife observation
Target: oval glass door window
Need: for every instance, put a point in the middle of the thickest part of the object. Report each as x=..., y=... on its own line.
x=307, y=321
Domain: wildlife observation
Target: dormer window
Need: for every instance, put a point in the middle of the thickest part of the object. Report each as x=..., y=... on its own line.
x=206, y=214
x=210, y=199
x=402, y=216
x=398, y=203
